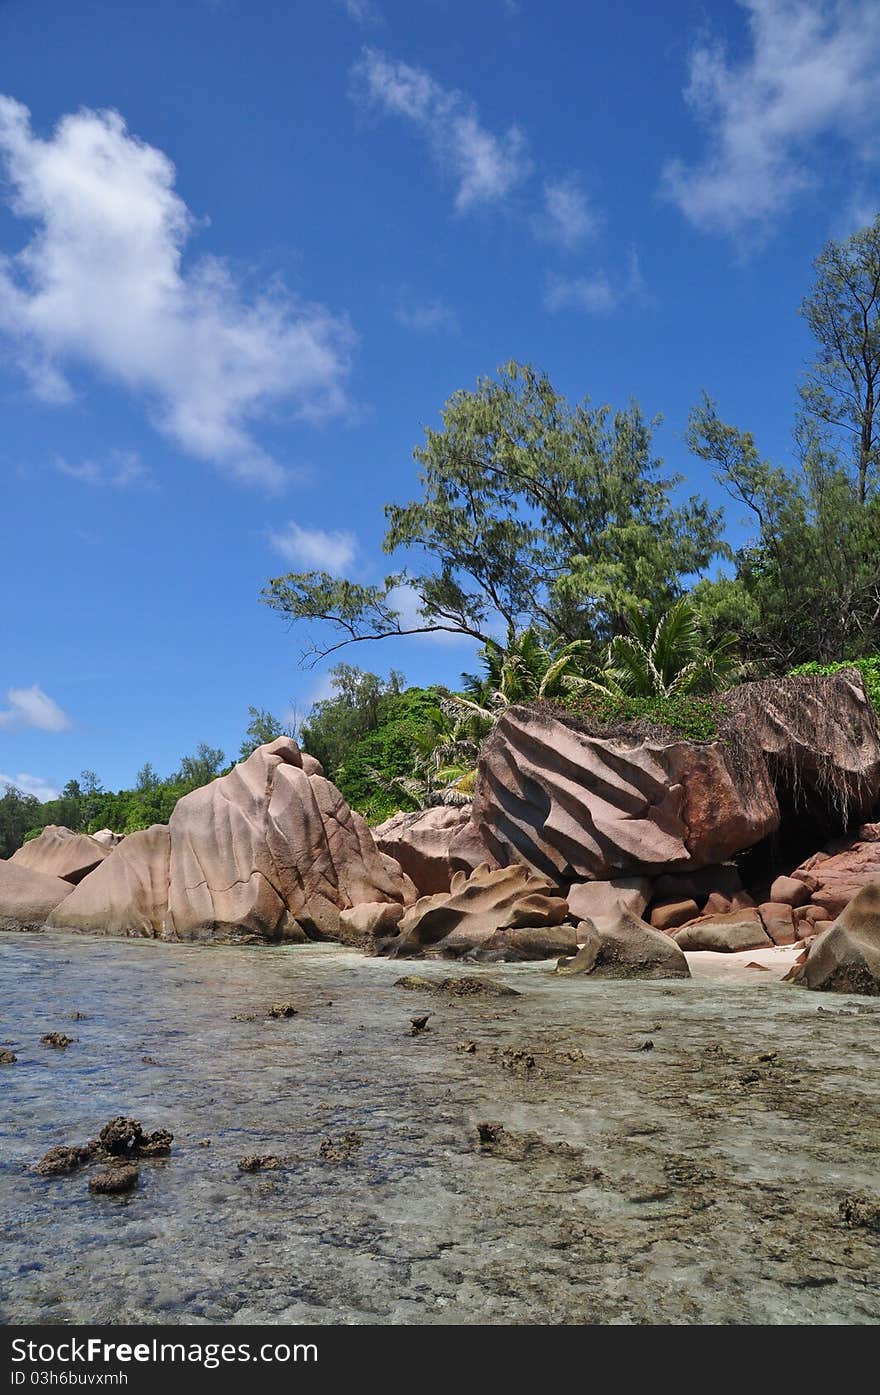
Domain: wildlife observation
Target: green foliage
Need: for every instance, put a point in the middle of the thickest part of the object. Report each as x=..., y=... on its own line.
x=336, y=724
x=841, y=390
x=262, y=728
x=667, y=658
x=534, y=513
x=869, y=669
x=408, y=724
x=807, y=587
x=695, y=718
x=18, y=813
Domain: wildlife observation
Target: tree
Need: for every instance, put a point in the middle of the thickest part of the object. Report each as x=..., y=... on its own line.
x=335, y=724
x=262, y=728
x=667, y=658
x=198, y=769
x=842, y=387
x=533, y=513
x=807, y=585
x=147, y=779
x=526, y=671
x=19, y=813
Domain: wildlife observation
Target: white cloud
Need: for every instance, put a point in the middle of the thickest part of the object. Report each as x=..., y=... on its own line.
x=315, y=549
x=102, y=283
x=567, y=217
x=484, y=166
x=31, y=707
x=594, y=294
x=427, y=316
x=363, y=12
x=406, y=601
x=31, y=784
x=123, y=468
x=813, y=72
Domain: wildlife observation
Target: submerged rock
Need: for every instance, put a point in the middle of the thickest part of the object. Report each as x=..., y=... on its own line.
x=7, y=1058
x=456, y=987
x=58, y=1040
x=342, y=1149
x=110, y=1181
x=60, y=1160
x=259, y=1162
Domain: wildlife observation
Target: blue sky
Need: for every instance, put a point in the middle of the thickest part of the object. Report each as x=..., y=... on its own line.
x=248, y=249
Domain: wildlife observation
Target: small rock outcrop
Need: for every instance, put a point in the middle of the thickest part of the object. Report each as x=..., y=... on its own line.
x=729, y=933
x=835, y=876
x=478, y=907
x=846, y=957
x=431, y=845
x=58, y=852
x=27, y=897
x=625, y=948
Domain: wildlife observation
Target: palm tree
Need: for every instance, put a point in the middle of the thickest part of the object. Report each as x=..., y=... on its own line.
x=666, y=659
x=525, y=671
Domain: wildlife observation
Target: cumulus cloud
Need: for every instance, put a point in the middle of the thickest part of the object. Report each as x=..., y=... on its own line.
x=315, y=549
x=426, y=316
x=30, y=784
x=484, y=167
x=812, y=72
x=567, y=217
x=594, y=294
x=123, y=468
x=31, y=707
x=102, y=283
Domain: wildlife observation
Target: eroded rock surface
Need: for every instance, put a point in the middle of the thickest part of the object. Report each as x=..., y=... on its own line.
x=625, y=948
x=431, y=845
x=572, y=806
x=477, y=908
x=28, y=897
x=127, y=894
x=846, y=957
x=58, y=852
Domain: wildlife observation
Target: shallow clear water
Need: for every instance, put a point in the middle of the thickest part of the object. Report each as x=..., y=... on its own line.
x=690, y=1192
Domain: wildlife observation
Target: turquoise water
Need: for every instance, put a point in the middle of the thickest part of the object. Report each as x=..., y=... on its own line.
x=696, y=1197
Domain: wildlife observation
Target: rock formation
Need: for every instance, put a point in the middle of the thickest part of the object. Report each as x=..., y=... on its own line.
x=835, y=876
x=625, y=948
x=58, y=852
x=127, y=894
x=270, y=852
x=431, y=845
x=27, y=897
x=730, y=933
x=478, y=907
x=573, y=806
x=846, y=957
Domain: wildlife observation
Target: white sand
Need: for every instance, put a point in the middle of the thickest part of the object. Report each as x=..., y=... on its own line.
x=775, y=963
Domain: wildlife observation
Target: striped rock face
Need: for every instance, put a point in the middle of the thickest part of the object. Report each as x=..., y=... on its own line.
x=573, y=807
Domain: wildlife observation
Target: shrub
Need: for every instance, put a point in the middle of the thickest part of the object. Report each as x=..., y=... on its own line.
x=695, y=718
x=868, y=668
